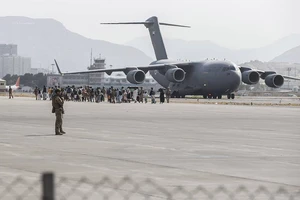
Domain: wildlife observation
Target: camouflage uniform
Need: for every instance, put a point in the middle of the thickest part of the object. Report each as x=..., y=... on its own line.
x=57, y=104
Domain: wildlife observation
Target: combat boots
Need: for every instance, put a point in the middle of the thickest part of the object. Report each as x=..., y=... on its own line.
x=61, y=131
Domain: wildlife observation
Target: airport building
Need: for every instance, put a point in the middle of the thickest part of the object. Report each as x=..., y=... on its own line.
x=2, y=85
x=11, y=63
x=79, y=80
x=96, y=79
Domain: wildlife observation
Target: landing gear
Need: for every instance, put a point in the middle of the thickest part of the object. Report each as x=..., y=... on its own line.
x=212, y=96
x=230, y=96
x=175, y=94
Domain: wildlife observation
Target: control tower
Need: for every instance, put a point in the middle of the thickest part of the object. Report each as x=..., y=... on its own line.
x=97, y=79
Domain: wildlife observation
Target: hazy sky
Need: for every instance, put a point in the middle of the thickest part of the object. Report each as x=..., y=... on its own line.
x=230, y=23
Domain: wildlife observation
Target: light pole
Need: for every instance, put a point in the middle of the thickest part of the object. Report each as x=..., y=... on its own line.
x=289, y=69
x=52, y=68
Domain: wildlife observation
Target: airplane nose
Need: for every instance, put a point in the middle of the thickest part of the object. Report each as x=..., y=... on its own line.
x=236, y=79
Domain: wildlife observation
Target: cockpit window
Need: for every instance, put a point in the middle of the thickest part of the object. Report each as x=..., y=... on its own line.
x=232, y=68
x=227, y=68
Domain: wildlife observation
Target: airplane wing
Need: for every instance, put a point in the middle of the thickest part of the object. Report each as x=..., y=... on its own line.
x=265, y=73
x=145, y=68
x=291, y=77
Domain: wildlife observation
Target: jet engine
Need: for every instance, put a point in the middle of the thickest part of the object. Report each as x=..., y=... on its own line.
x=136, y=76
x=274, y=80
x=250, y=77
x=175, y=75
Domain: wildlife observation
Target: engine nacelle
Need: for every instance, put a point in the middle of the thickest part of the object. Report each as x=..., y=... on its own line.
x=274, y=80
x=175, y=75
x=136, y=76
x=250, y=77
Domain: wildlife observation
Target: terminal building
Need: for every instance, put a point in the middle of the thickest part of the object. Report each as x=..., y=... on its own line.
x=96, y=79
x=2, y=85
x=82, y=80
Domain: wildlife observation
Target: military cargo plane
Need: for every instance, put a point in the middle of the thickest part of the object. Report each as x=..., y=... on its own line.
x=210, y=78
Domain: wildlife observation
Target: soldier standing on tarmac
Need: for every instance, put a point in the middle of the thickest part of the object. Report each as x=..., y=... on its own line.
x=58, y=109
x=10, y=94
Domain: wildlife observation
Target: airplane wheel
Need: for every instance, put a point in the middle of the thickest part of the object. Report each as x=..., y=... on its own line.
x=228, y=96
x=204, y=96
x=219, y=96
x=232, y=96
x=175, y=95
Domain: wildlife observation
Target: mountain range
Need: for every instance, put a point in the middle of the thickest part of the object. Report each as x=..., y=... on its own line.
x=292, y=56
x=46, y=39
x=198, y=50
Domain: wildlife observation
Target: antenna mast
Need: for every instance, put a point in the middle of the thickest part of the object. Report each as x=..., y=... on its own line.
x=91, y=57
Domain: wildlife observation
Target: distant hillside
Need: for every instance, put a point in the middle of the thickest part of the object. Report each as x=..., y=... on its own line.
x=279, y=67
x=292, y=56
x=46, y=39
x=197, y=50
x=181, y=49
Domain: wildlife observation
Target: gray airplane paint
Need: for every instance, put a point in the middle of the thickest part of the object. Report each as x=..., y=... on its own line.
x=210, y=78
x=156, y=38
x=202, y=78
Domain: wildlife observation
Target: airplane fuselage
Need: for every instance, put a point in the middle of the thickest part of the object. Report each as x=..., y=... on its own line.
x=13, y=87
x=209, y=77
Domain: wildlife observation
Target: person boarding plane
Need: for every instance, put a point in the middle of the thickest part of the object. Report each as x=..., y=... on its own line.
x=210, y=78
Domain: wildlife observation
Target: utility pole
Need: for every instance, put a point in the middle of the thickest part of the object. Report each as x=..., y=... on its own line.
x=91, y=62
x=289, y=69
x=52, y=68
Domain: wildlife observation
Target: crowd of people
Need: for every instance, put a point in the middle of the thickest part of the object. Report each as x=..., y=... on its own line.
x=97, y=95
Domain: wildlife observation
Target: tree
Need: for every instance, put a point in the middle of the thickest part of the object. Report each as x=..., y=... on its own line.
x=37, y=80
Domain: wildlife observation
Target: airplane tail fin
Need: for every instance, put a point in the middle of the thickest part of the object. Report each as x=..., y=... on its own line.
x=152, y=25
x=57, y=67
x=18, y=82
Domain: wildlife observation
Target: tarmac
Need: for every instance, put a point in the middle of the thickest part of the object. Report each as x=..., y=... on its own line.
x=174, y=144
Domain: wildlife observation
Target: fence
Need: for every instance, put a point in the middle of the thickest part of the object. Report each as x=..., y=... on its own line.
x=49, y=188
